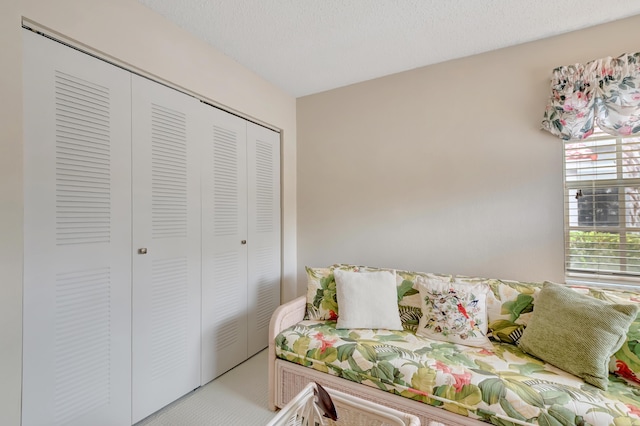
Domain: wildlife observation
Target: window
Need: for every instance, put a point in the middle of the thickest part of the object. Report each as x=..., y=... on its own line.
x=602, y=206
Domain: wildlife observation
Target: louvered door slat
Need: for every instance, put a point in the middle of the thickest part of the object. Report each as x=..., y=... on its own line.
x=77, y=264
x=82, y=121
x=168, y=172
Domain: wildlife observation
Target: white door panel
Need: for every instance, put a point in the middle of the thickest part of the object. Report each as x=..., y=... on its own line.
x=166, y=224
x=263, y=167
x=224, y=256
x=77, y=238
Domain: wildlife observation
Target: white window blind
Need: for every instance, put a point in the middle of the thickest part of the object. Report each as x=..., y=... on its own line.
x=602, y=207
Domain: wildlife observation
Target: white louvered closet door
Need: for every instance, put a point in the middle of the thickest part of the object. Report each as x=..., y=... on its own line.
x=263, y=167
x=77, y=224
x=224, y=255
x=166, y=224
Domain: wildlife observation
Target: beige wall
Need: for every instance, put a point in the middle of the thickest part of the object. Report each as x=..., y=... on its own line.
x=144, y=41
x=443, y=168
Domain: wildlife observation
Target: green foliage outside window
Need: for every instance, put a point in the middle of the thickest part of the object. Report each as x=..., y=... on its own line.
x=600, y=251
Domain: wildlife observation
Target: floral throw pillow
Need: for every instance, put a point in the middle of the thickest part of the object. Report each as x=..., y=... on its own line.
x=510, y=308
x=322, y=303
x=454, y=312
x=626, y=362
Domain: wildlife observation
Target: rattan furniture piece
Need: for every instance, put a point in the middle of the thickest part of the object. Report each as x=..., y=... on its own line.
x=303, y=410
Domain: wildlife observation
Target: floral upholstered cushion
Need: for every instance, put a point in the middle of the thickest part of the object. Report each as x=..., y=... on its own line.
x=509, y=308
x=626, y=362
x=321, y=294
x=498, y=386
x=454, y=312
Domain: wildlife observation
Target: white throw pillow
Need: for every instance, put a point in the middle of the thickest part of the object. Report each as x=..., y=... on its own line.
x=367, y=300
x=454, y=312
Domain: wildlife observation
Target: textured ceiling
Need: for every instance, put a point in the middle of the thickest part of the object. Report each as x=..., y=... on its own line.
x=308, y=46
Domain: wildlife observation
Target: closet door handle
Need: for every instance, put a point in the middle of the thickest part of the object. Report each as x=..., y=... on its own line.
x=243, y=242
x=142, y=250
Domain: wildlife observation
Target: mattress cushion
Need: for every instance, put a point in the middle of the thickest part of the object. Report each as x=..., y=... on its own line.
x=499, y=385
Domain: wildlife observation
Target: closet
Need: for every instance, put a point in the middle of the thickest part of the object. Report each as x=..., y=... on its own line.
x=127, y=230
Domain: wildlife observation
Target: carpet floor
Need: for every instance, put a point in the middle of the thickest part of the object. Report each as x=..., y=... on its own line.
x=238, y=397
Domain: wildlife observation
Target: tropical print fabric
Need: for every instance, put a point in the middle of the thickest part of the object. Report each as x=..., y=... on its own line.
x=510, y=301
x=605, y=92
x=498, y=386
x=322, y=303
x=509, y=307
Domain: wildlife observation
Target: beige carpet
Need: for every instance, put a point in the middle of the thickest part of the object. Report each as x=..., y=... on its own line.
x=238, y=397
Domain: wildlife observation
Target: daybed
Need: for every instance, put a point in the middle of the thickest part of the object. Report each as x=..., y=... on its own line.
x=442, y=380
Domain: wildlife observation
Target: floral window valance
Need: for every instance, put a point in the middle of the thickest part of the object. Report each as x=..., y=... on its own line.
x=604, y=92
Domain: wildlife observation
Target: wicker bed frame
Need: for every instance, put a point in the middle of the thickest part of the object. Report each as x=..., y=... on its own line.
x=287, y=379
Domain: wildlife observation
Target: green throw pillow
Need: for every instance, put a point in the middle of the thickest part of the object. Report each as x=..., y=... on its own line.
x=577, y=333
